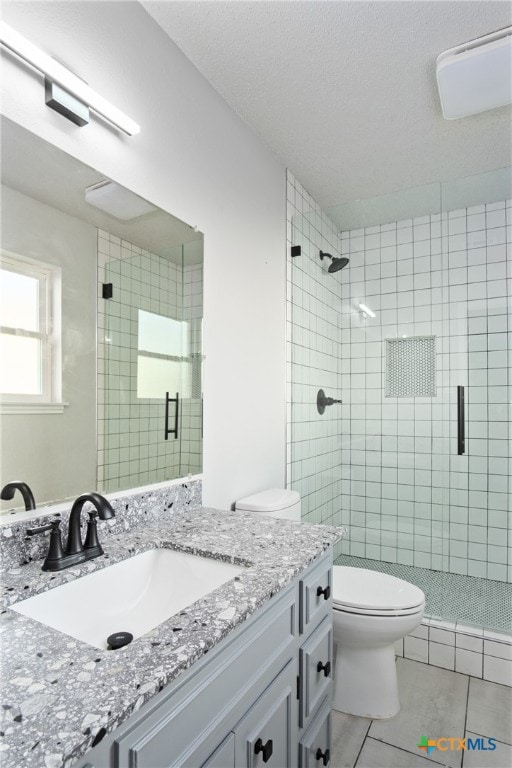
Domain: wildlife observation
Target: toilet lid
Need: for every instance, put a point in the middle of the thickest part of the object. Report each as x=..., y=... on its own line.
x=361, y=589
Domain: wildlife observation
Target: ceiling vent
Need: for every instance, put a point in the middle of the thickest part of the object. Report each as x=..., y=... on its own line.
x=476, y=76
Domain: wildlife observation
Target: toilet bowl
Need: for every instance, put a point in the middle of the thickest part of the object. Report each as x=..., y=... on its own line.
x=371, y=611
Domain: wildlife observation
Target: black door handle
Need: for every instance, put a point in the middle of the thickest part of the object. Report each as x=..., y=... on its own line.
x=461, y=441
x=326, y=592
x=265, y=749
x=176, y=415
x=325, y=667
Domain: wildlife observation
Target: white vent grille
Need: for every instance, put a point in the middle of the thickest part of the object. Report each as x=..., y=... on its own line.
x=411, y=367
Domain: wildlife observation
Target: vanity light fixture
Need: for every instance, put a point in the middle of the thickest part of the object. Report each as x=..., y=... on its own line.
x=65, y=91
x=366, y=311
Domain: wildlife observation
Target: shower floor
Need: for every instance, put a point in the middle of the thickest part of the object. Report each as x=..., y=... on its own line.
x=480, y=602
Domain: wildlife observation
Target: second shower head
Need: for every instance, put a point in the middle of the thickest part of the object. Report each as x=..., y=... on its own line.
x=336, y=264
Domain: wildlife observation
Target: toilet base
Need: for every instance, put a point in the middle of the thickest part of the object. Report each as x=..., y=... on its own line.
x=365, y=682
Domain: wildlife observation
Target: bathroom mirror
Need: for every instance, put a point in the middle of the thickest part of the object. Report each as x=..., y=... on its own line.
x=101, y=330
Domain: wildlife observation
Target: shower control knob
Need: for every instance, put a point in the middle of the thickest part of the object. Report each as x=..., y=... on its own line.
x=322, y=401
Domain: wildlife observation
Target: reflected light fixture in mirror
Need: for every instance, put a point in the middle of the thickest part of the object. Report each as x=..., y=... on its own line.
x=117, y=201
x=109, y=437
x=74, y=98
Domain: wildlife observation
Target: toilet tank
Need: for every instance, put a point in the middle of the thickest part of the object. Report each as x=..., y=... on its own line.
x=275, y=502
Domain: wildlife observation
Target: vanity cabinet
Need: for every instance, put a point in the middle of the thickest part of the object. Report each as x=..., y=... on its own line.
x=254, y=701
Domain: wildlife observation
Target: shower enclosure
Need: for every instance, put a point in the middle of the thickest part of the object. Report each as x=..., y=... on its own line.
x=150, y=358
x=416, y=460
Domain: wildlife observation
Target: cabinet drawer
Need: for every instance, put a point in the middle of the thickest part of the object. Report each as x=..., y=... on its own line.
x=224, y=755
x=315, y=669
x=315, y=745
x=316, y=595
x=266, y=737
x=187, y=725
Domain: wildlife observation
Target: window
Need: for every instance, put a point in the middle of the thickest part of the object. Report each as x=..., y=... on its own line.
x=163, y=364
x=30, y=371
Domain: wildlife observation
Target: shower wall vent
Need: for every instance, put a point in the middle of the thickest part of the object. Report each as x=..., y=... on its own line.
x=411, y=367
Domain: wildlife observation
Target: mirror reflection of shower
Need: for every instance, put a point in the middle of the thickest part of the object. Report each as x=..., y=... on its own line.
x=336, y=264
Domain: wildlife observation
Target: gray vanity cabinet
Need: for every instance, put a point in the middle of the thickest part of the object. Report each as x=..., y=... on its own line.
x=315, y=745
x=249, y=703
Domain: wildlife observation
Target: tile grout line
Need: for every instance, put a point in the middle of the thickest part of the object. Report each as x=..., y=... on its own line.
x=466, y=720
x=362, y=745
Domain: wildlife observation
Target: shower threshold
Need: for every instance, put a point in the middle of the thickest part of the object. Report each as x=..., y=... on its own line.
x=470, y=599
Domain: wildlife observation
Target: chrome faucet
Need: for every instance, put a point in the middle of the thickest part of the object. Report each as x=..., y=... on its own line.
x=7, y=493
x=76, y=551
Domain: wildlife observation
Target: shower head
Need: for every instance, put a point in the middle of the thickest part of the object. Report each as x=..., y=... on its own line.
x=336, y=263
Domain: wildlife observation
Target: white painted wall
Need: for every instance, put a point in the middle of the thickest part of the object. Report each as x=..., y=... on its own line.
x=56, y=453
x=196, y=159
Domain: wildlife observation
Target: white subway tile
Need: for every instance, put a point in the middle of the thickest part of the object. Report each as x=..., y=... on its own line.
x=416, y=649
x=441, y=655
x=497, y=670
x=468, y=662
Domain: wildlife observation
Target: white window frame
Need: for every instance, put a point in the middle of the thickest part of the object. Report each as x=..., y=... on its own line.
x=49, y=278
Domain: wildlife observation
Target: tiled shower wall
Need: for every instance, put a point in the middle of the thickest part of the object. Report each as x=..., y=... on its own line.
x=313, y=359
x=132, y=451
x=407, y=496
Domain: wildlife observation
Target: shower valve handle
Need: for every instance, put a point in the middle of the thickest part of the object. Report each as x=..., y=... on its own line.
x=322, y=401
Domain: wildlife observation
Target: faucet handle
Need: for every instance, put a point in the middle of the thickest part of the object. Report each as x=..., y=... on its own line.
x=92, y=546
x=42, y=528
x=53, y=561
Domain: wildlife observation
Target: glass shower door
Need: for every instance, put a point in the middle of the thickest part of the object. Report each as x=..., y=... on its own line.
x=476, y=236
x=152, y=381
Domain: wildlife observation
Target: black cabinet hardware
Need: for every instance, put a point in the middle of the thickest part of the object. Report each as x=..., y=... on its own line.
x=323, y=756
x=326, y=592
x=265, y=749
x=325, y=667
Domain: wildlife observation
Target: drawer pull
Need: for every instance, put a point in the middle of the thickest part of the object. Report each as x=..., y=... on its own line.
x=325, y=592
x=323, y=756
x=326, y=669
x=266, y=749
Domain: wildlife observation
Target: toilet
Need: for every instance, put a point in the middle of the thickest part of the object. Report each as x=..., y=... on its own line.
x=371, y=611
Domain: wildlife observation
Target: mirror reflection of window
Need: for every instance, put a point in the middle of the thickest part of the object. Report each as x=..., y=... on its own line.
x=29, y=330
x=163, y=349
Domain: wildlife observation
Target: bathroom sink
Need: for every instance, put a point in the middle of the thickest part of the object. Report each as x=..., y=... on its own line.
x=135, y=595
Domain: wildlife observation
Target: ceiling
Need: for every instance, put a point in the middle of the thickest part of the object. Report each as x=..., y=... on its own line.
x=344, y=92
x=44, y=172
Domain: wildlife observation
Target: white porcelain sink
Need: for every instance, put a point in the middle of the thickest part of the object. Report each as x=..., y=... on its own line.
x=133, y=596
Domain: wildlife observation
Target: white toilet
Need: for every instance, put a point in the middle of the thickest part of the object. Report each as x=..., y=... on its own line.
x=371, y=611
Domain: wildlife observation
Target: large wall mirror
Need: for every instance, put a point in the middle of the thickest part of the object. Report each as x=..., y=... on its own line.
x=101, y=329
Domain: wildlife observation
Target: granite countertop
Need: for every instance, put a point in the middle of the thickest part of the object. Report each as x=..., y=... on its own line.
x=60, y=696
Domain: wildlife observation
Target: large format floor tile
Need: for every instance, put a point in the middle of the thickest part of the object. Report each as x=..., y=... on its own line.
x=501, y=757
x=433, y=704
x=490, y=710
x=375, y=754
x=348, y=734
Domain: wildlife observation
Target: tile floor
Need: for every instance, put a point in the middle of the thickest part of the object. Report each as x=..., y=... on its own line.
x=435, y=703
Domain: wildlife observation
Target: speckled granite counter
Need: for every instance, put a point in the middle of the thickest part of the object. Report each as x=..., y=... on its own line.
x=60, y=696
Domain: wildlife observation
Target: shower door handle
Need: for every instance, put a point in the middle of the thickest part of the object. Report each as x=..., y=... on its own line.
x=176, y=415
x=461, y=442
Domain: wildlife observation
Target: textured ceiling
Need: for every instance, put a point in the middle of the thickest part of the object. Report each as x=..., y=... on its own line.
x=344, y=92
